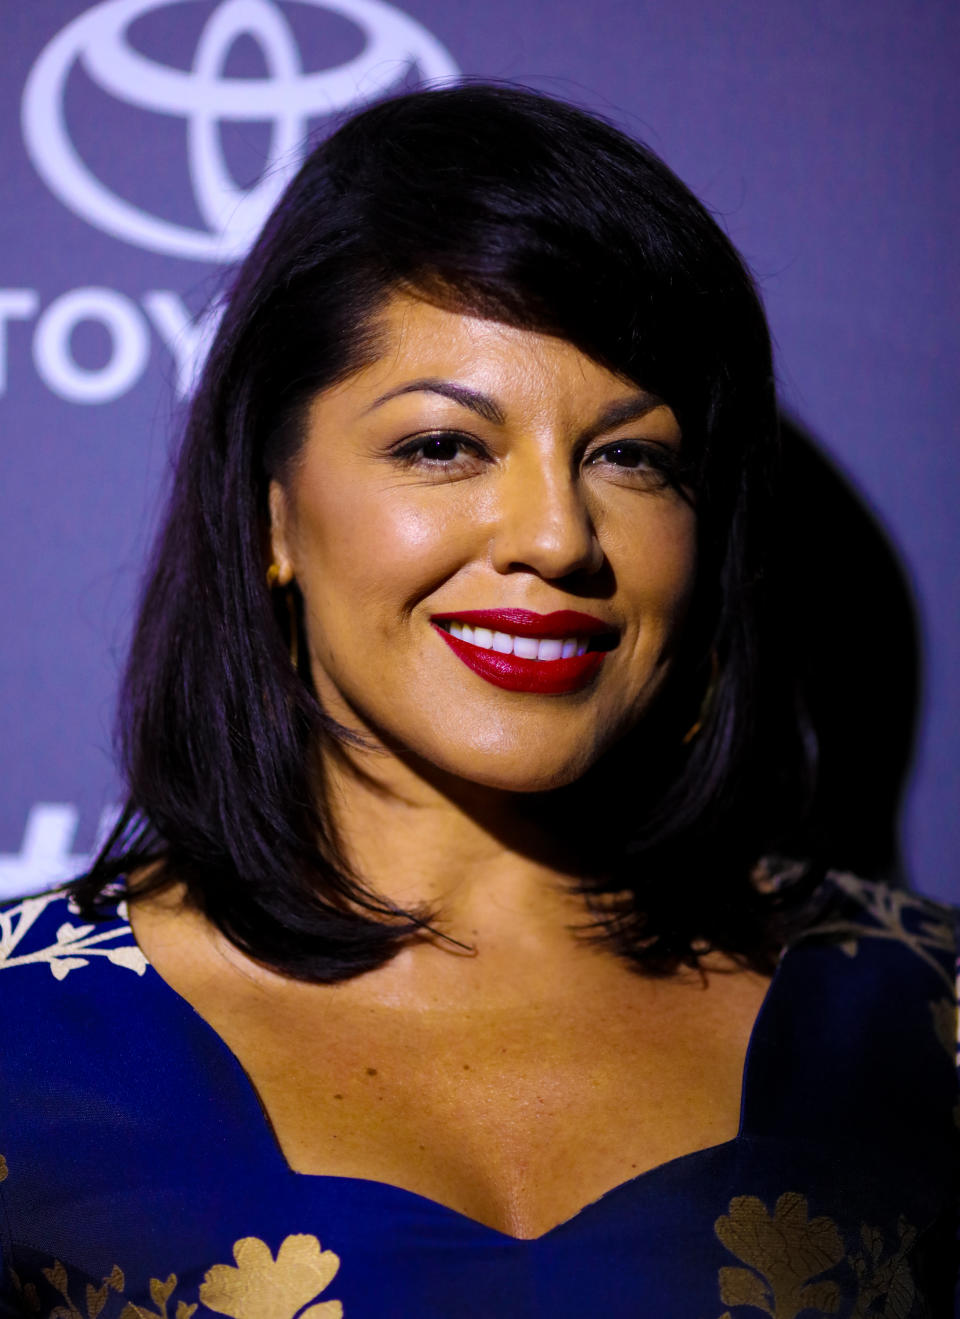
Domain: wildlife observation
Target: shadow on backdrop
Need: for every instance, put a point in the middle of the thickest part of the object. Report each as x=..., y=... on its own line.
x=858, y=635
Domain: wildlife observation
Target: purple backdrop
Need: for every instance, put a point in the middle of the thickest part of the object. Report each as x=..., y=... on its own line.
x=132, y=133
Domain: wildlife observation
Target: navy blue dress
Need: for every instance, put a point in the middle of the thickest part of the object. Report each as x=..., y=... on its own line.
x=140, y=1177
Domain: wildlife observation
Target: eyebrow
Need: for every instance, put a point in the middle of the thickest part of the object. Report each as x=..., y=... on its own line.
x=615, y=414
x=624, y=410
x=482, y=404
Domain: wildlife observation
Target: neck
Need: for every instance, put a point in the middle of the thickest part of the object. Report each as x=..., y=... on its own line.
x=479, y=859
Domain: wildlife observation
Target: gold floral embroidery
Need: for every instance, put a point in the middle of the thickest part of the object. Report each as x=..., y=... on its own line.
x=73, y=946
x=888, y=1279
x=788, y=1252
x=26, y=1291
x=160, y=1293
x=96, y=1297
x=892, y=914
x=785, y=1254
x=261, y=1287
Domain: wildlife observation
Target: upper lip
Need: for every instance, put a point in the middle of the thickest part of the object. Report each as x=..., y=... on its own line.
x=525, y=623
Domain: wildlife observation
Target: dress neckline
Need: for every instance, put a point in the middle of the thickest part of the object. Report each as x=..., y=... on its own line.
x=265, y=1137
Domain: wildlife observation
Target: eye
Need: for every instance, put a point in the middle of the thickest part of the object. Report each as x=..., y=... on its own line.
x=442, y=449
x=635, y=463
x=625, y=454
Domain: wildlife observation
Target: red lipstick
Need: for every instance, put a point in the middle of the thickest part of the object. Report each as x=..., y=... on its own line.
x=554, y=677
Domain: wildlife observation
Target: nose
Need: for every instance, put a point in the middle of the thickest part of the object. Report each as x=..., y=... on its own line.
x=544, y=524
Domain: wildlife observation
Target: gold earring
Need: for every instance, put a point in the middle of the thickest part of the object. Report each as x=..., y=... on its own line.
x=707, y=701
x=273, y=579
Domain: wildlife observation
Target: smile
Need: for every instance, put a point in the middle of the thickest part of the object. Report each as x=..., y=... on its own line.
x=548, y=654
x=531, y=648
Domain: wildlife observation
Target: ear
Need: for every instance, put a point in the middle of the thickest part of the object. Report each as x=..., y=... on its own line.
x=281, y=529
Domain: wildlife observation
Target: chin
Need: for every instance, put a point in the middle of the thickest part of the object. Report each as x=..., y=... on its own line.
x=521, y=756
x=518, y=769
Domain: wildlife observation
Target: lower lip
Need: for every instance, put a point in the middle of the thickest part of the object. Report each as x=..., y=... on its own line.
x=545, y=677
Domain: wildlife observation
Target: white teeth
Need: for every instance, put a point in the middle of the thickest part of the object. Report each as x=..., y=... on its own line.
x=526, y=647
x=538, y=648
x=549, y=650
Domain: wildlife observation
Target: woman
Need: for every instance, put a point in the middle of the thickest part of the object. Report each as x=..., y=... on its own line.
x=459, y=740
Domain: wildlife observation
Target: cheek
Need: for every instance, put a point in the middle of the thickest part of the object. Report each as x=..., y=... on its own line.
x=367, y=557
x=655, y=562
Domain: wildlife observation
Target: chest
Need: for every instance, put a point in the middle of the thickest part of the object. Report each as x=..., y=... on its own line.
x=515, y=1118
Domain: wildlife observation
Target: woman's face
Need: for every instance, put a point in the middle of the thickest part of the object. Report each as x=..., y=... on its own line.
x=451, y=497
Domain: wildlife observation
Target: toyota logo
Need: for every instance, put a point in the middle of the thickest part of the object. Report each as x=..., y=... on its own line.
x=287, y=97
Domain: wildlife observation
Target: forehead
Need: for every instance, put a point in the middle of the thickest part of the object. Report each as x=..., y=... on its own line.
x=523, y=369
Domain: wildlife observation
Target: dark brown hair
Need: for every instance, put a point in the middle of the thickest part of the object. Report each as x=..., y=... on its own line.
x=519, y=207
